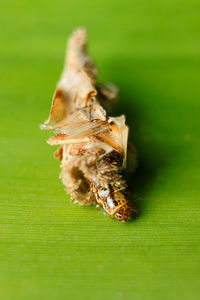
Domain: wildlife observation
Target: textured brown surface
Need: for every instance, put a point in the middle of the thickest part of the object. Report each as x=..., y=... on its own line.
x=94, y=148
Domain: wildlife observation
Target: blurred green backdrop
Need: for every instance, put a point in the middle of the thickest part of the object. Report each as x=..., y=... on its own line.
x=51, y=249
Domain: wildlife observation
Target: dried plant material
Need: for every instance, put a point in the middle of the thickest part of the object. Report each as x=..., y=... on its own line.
x=93, y=146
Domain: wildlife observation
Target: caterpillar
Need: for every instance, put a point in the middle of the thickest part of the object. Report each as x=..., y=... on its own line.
x=92, y=146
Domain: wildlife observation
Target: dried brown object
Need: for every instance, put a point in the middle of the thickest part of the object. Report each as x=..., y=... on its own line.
x=93, y=147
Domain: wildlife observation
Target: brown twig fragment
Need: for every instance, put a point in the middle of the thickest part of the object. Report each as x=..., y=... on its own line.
x=93, y=146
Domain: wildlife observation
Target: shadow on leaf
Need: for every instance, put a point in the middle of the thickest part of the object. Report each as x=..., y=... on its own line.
x=153, y=155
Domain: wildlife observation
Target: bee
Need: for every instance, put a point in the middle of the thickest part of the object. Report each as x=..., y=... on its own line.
x=92, y=146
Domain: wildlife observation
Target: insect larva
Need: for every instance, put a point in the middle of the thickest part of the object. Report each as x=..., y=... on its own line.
x=93, y=146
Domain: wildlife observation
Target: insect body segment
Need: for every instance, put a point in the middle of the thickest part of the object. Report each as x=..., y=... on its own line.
x=114, y=203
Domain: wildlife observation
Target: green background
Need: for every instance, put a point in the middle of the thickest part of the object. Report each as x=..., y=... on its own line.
x=51, y=249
